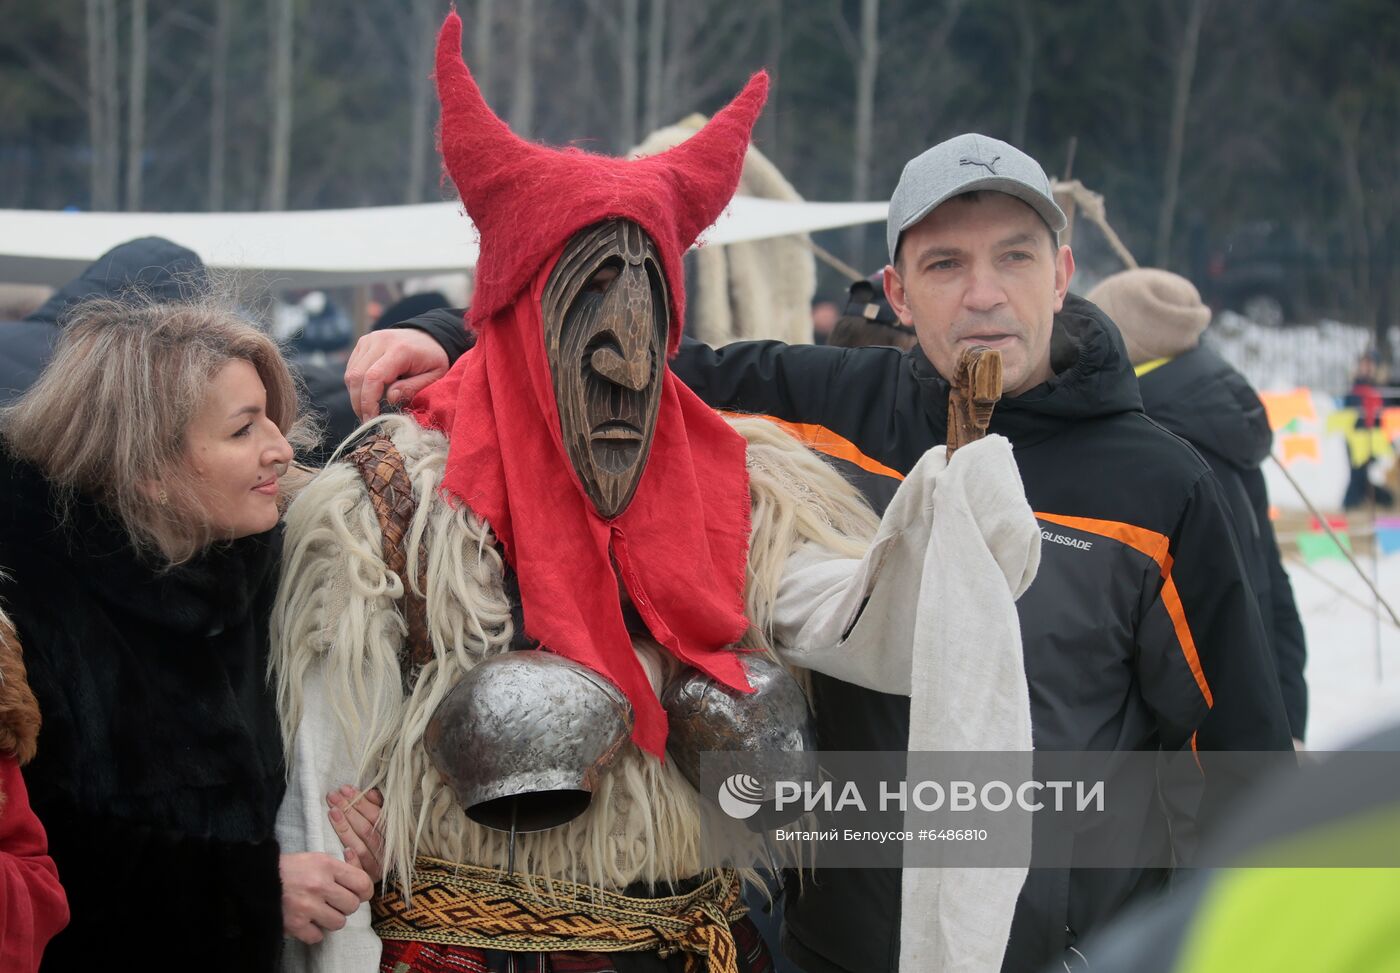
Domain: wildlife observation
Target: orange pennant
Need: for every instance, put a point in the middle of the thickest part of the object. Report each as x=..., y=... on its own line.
x=1284, y=407
x=1300, y=447
x=1390, y=423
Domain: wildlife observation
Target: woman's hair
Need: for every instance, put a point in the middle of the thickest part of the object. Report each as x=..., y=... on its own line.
x=109, y=413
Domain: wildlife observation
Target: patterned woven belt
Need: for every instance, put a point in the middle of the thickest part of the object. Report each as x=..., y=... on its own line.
x=469, y=906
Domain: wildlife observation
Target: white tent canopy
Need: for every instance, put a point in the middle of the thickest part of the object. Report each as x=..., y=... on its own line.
x=323, y=248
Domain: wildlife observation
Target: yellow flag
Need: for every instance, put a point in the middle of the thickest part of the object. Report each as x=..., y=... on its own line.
x=1342, y=421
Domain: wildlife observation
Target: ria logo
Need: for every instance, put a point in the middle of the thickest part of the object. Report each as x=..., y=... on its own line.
x=740, y=796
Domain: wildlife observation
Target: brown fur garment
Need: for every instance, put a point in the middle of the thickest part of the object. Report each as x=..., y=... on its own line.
x=19, y=710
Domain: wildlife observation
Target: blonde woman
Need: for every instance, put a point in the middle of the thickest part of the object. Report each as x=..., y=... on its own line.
x=140, y=530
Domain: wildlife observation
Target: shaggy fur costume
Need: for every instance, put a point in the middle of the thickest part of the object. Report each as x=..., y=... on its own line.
x=160, y=771
x=337, y=632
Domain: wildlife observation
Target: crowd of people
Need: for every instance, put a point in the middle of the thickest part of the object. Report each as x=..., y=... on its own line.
x=433, y=700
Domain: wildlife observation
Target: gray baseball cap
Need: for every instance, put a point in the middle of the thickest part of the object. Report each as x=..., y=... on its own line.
x=963, y=164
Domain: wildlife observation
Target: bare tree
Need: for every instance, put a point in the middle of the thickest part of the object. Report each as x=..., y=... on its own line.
x=103, y=102
x=522, y=102
x=590, y=113
x=704, y=38
x=1025, y=72
x=1181, y=101
x=218, y=105
x=627, y=72
x=136, y=106
x=656, y=57
x=280, y=28
x=482, y=46
x=1345, y=122
x=769, y=133
x=420, y=55
x=864, y=51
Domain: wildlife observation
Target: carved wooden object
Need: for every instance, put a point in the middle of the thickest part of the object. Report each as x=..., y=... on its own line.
x=976, y=387
x=606, y=316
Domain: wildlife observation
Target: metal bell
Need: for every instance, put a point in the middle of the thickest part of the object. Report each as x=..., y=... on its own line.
x=523, y=739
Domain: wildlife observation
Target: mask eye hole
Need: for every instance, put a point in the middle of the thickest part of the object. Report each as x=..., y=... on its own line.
x=603, y=277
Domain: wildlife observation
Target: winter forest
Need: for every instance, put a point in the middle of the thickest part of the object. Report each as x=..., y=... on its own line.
x=1249, y=144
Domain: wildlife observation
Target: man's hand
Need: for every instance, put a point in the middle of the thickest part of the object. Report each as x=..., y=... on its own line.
x=395, y=364
x=319, y=892
x=355, y=818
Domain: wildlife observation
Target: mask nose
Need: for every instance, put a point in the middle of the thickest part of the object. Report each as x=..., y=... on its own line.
x=628, y=303
x=631, y=373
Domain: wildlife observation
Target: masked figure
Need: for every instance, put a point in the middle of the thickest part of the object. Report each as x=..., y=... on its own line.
x=485, y=603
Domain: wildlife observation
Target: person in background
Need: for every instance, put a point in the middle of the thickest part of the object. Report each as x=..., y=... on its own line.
x=1194, y=393
x=164, y=271
x=1365, y=397
x=868, y=319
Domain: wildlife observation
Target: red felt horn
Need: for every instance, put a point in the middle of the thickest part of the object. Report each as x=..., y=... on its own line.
x=527, y=200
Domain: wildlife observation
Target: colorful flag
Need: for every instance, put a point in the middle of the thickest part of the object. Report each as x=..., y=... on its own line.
x=1285, y=407
x=1388, y=538
x=1342, y=421
x=1300, y=447
x=1390, y=422
x=1316, y=546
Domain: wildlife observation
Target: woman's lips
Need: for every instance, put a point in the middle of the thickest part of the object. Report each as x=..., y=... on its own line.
x=268, y=488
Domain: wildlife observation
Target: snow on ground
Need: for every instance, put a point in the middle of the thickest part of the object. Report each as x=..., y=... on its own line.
x=1347, y=699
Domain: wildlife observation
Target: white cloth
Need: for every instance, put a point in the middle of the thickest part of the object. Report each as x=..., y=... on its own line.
x=321, y=763
x=957, y=546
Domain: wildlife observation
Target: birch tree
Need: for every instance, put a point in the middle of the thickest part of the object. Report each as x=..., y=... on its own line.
x=103, y=103
x=218, y=106
x=280, y=26
x=627, y=74
x=522, y=102
x=419, y=51
x=656, y=57
x=864, y=51
x=136, y=106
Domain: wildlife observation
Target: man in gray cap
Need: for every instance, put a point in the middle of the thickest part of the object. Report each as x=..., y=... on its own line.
x=973, y=236
x=1139, y=632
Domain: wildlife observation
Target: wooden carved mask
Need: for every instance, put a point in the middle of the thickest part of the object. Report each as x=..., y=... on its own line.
x=606, y=317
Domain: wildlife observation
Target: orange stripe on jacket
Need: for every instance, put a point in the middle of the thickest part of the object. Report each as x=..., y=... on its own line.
x=823, y=440
x=1155, y=546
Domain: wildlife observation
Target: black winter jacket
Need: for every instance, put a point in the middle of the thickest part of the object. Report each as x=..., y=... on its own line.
x=1200, y=398
x=159, y=768
x=1140, y=631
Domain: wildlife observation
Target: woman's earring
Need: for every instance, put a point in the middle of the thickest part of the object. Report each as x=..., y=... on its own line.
x=163, y=498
